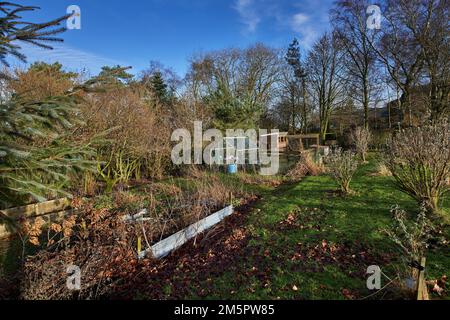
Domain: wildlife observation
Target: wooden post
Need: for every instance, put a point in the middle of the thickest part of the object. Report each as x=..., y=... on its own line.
x=422, y=291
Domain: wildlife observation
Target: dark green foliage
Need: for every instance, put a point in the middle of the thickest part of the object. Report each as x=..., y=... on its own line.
x=54, y=69
x=159, y=86
x=231, y=112
x=37, y=154
x=162, y=82
x=293, y=58
x=37, y=151
x=116, y=74
x=13, y=29
x=40, y=150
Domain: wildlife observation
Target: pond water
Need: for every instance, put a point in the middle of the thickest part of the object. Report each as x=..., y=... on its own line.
x=286, y=162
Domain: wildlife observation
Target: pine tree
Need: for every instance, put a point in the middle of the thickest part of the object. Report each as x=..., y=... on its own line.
x=293, y=58
x=28, y=170
x=55, y=69
x=13, y=30
x=116, y=74
x=231, y=112
x=159, y=86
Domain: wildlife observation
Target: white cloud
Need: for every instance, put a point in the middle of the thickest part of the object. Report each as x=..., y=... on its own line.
x=308, y=36
x=249, y=14
x=308, y=20
x=298, y=21
x=306, y=28
x=71, y=58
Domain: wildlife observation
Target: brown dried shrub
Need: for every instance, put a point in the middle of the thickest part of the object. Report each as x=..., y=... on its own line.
x=256, y=179
x=304, y=167
x=140, y=135
x=128, y=200
x=194, y=172
x=167, y=189
x=103, y=246
x=41, y=81
x=361, y=138
x=342, y=165
x=382, y=171
x=98, y=242
x=419, y=159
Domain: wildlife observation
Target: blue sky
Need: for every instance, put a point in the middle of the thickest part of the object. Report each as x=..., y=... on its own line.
x=134, y=32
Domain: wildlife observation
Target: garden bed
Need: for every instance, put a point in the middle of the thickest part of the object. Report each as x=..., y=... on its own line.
x=104, y=245
x=292, y=242
x=297, y=243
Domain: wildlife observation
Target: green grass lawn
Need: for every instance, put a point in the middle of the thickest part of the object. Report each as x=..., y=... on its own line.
x=324, y=254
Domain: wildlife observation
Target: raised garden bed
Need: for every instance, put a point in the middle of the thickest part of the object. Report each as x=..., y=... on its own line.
x=164, y=247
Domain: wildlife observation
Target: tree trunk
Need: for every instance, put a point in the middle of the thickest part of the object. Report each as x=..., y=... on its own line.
x=366, y=103
x=305, y=107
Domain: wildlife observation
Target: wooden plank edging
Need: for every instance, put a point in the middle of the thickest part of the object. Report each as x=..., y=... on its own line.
x=32, y=211
x=37, y=209
x=166, y=246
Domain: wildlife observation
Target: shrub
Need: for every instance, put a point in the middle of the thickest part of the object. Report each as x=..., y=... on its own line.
x=382, y=171
x=38, y=152
x=195, y=172
x=304, y=167
x=411, y=237
x=342, y=165
x=138, y=133
x=41, y=81
x=37, y=155
x=360, y=138
x=380, y=139
x=419, y=159
x=259, y=180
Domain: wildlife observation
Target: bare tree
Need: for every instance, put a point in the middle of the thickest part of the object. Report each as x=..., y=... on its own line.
x=413, y=46
x=290, y=103
x=428, y=23
x=293, y=92
x=349, y=20
x=259, y=71
x=237, y=79
x=325, y=75
x=361, y=138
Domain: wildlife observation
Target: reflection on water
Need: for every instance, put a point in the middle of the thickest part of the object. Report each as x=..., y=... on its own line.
x=286, y=162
